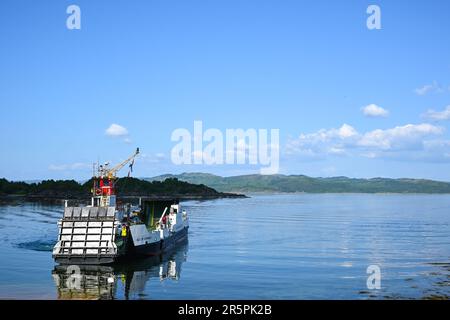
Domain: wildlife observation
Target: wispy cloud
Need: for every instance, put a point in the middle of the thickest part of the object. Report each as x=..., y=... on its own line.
x=438, y=115
x=153, y=158
x=411, y=140
x=127, y=140
x=70, y=167
x=372, y=110
x=429, y=88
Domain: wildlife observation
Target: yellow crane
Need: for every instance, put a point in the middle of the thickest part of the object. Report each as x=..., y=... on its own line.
x=110, y=173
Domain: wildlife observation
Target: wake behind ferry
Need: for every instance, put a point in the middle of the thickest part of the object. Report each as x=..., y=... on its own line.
x=106, y=231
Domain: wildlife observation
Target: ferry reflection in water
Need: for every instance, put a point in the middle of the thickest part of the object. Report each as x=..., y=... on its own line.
x=84, y=282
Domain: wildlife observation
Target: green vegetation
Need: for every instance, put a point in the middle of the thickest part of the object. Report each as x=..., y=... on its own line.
x=301, y=183
x=201, y=185
x=136, y=187
x=124, y=186
x=50, y=188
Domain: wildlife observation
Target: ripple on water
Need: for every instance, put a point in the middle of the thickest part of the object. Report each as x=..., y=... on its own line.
x=38, y=245
x=290, y=246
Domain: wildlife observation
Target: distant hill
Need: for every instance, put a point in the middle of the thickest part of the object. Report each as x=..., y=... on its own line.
x=301, y=183
x=125, y=187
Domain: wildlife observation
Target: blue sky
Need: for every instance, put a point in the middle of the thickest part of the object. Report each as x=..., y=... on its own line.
x=305, y=67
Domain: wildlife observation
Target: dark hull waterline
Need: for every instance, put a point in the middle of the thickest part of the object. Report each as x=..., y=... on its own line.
x=147, y=250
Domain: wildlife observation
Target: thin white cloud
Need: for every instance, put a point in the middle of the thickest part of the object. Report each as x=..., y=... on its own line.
x=116, y=130
x=429, y=88
x=70, y=167
x=372, y=110
x=127, y=140
x=438, y=115
x=153, y=158
x=400, y=141
x=424, y=90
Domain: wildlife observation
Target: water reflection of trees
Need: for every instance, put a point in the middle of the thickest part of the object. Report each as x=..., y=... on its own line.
x=82, y=282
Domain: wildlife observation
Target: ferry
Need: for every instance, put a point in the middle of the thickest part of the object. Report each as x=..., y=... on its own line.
x=107, y=231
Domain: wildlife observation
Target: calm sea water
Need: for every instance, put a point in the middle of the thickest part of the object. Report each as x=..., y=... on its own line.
x=267, y=247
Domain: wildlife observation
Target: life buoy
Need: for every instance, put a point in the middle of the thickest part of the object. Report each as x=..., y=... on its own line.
x=98, y=192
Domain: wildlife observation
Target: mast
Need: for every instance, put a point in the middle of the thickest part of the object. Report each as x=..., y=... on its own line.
x=103, y=191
